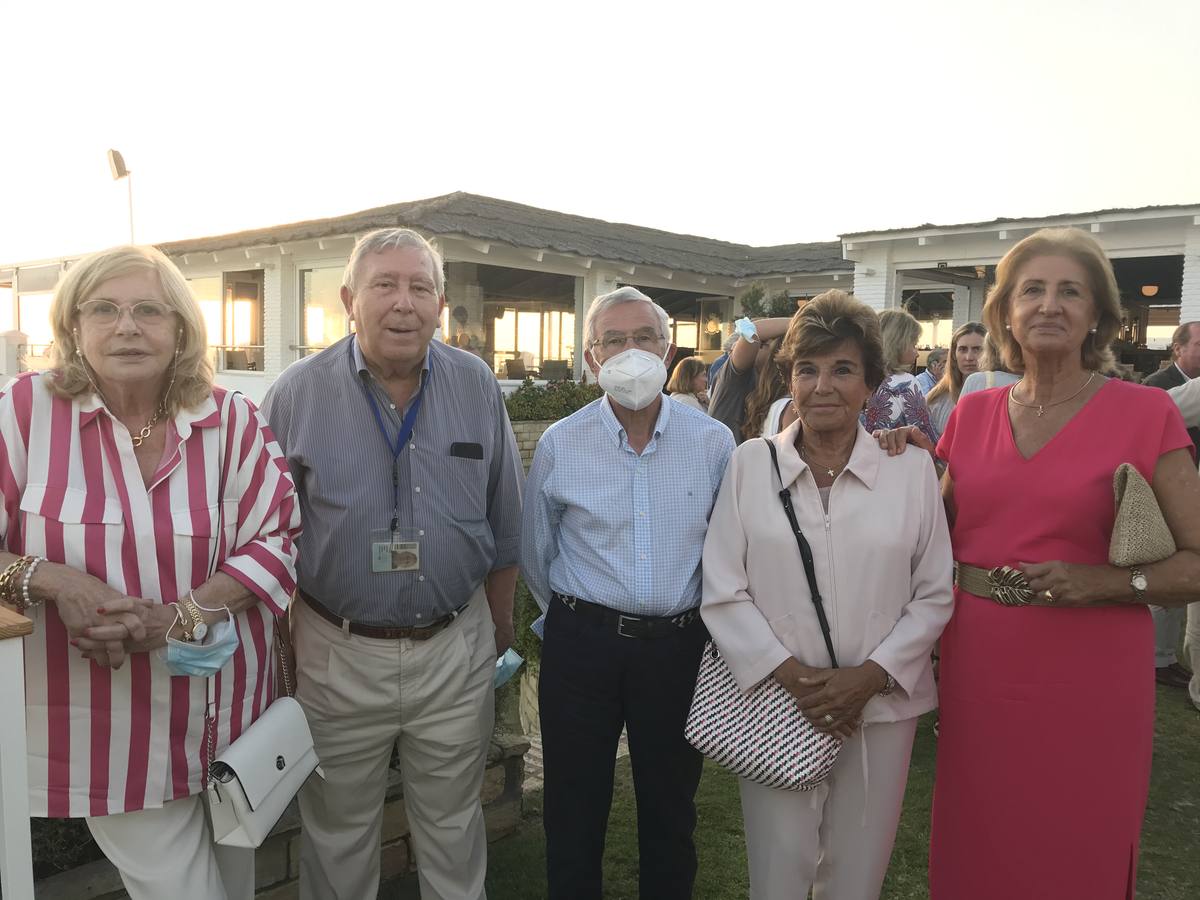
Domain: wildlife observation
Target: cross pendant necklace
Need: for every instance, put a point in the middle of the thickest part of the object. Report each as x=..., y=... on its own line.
x=828, y=471
x=1040, y=407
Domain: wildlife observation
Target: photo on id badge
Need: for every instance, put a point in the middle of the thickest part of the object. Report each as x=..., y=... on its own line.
x=395, y=551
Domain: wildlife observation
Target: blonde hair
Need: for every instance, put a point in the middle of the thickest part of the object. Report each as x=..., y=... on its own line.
x=952, y=379
x=830, y=319
x=1083, y=249
x=685, y=371
x=899, y=332
x=193, y=371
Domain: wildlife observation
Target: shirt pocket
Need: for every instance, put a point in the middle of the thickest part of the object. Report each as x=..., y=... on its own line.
x=82, y=517
x=466, y=488
x=199, y=527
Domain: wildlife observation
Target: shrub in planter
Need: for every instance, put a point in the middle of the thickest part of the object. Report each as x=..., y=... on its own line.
x=550, y=402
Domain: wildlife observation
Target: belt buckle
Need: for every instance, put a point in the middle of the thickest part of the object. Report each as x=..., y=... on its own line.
x=621, y=620
x=1009, y=587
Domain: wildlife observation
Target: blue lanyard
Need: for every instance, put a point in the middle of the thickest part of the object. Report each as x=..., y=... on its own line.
x=406, y=430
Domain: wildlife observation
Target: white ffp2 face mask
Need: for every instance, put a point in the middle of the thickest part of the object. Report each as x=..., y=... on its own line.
x=634, y=377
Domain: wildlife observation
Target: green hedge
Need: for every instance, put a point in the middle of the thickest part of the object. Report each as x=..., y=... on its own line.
x=60, y=844
x=525, y=613
x=550, y=402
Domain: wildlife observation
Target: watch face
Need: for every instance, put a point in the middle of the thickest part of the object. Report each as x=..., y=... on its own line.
x=1139, y=582
x=200, y=632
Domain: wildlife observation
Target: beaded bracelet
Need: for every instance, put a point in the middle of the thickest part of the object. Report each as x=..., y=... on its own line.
x=27, y=601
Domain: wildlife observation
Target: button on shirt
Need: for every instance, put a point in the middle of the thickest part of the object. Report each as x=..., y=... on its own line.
x=459, y=480
x=609, y=526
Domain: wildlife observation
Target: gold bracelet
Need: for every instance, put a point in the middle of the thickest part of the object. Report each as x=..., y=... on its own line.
x=10, y=581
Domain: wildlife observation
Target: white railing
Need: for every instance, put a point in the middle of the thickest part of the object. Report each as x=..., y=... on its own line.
x=16, y=854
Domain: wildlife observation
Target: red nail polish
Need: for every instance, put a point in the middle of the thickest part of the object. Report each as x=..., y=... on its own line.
x=101, y=610
x=74, y=642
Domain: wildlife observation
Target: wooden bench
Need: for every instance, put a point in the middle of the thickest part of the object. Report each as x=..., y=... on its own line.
x=16, y=855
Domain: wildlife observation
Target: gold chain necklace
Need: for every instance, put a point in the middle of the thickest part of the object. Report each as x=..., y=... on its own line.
x=828, y=471
x=149, y=427
x=1041, y=407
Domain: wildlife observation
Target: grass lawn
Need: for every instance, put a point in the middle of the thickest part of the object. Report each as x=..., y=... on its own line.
x=516, y=869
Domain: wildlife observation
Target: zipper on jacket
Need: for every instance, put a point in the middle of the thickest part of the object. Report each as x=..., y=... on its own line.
x=833, y=610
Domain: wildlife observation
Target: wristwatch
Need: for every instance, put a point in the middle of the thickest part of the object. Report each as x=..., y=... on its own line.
x=195, y=629
x=889, y=685
x=1138, y=582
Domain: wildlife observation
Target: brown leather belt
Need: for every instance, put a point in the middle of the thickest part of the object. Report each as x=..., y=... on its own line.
x=384, y=632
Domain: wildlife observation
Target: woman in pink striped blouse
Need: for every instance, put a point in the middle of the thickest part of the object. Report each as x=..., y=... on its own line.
x=149, y=525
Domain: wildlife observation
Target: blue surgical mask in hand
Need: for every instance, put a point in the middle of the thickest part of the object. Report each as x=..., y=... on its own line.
x=203, y=659
x=746, y=329
x=507, y=665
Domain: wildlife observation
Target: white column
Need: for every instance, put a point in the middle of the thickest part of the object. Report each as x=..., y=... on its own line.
x=1189, y=305
x=876, y=281
x=588, y=287
x=962, y=305
x=978, y=293
x=16, y=854
x=279, y=320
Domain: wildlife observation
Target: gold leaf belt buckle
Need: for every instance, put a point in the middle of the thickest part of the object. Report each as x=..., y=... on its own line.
x=1009, y=587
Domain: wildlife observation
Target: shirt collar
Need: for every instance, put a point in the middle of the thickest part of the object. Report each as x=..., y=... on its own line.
x=360, y=361
x=204, y=415
x=863, y=463
x=1186, y=376
x=617, y=430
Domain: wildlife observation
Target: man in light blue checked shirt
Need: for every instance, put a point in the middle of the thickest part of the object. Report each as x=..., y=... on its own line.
x=616, y=509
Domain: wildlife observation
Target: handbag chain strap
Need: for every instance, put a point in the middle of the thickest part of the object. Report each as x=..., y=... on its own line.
x=785, y=497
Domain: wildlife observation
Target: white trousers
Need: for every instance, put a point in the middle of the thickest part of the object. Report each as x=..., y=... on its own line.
x=362, y=696
x=836, y=839
x=169, y=852
x=1191, y=649
x=1168, y=623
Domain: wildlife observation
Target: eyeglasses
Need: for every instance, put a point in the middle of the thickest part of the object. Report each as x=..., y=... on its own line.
x=615, y=341
x=144, y=312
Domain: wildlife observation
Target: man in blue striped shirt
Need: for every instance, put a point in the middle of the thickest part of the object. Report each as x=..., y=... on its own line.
x=409, y=484
x=616, y=509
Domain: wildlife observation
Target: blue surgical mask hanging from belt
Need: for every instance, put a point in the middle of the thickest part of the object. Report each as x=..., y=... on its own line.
x=406, y=430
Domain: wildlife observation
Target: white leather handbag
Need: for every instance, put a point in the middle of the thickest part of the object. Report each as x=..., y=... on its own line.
x=254, y=780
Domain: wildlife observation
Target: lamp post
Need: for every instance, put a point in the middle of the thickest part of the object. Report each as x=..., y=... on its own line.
x=116, y=165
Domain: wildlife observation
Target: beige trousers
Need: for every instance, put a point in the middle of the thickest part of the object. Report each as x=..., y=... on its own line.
x=1191, y=649
x=836, y=839
x=169, y=852
x=435, y=700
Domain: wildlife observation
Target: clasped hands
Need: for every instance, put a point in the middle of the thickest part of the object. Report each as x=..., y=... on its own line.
x=105, y=625
x=832, y=699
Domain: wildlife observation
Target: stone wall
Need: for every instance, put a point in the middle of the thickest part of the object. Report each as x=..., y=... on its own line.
x=277, y=861
x=528, y=434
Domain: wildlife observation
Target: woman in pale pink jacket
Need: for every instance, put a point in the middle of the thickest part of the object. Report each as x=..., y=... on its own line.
x=883, y=565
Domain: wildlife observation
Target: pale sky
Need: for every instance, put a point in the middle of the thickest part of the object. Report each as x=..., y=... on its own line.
x=748, y=121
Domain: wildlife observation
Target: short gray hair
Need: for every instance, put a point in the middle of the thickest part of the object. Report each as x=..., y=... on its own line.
x=390, y=239
x=729, y=342
x=936, y=354
x=613, y=298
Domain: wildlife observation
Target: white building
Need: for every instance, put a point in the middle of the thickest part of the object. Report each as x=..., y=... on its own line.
x=518, y=282
x=519, y=279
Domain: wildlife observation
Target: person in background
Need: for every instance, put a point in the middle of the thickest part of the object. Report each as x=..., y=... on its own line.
x=1169, y=623
x=769, y=407
x=617, y=506
x=992, y=371
x=850, y=499
x=1187, y=398
x=738, y=378
x=935, y=366
x=965, y=348
x=722, y=359
x=689, y=384
x=898, y=401
x=149, y=524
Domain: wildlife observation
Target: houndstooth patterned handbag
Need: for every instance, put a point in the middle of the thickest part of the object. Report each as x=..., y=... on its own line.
x=761, y=734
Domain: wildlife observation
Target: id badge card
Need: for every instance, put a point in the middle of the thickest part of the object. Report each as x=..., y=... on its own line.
x=395, y=551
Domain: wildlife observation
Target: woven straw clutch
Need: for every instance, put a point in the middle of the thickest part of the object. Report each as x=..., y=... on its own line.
x=1140, y=534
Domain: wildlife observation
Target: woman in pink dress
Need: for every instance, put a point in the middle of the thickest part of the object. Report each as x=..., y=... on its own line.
x=1047, y=710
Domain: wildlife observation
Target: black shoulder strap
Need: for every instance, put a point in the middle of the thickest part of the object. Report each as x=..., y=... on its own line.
x=785, y=497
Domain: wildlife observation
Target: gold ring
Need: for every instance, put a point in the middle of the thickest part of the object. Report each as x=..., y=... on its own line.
x=1049, y=596
x=828, y=719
